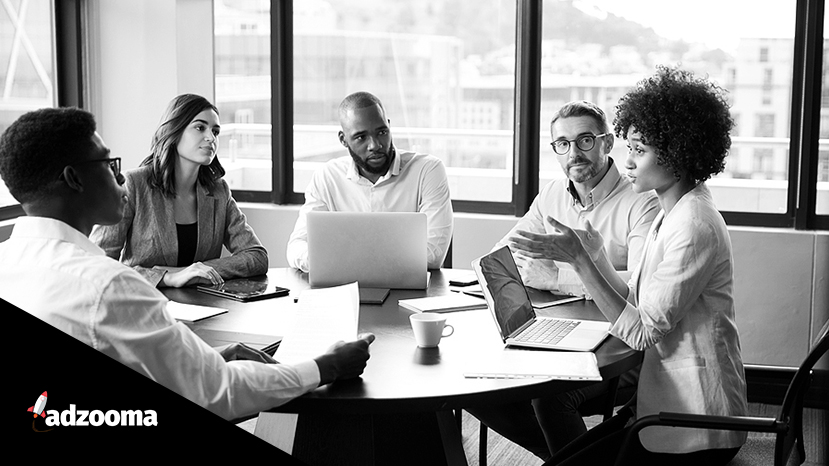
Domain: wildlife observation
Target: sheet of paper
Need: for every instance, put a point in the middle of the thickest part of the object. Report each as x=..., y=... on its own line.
x=192, y=312
x=325, y=316
x=518, y=364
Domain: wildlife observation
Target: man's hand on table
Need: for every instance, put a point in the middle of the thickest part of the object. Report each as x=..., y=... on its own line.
x=241, y=351
x=344, y=360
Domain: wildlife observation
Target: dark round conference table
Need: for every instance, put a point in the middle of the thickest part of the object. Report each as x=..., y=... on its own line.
x=402, y=407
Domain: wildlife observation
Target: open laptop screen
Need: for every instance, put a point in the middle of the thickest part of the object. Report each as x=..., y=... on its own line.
x=375, y=249
x=510, y=302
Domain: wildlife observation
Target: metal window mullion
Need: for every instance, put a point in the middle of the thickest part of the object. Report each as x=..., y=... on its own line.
x=282, y=108
x=68, y=53
x=527, y=104
x=810, y=99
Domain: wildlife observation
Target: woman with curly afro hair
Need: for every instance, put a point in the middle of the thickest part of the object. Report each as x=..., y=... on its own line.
x=678, y=306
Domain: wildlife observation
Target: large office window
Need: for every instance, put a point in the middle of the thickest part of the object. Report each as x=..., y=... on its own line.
x=27, y=78
x=443, y=69
x=242, y=60
x=822, y=169
x=446, y=71
x=598, y=49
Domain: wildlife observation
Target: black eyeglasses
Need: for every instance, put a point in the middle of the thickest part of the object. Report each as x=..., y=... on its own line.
x=114, y=165
x=584, y=142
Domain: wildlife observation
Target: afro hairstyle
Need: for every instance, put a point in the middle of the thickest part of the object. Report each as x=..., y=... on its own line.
x=684, y=118
x=37, y=146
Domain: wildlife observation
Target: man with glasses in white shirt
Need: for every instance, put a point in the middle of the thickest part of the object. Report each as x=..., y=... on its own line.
x=595, y=192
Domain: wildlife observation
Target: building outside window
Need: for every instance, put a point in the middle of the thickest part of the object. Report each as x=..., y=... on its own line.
x=763, y=159
x=765, y=125
x=27, y=76
x=822, y=205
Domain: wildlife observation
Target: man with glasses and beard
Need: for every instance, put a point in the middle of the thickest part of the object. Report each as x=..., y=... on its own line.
x=376, y=178
x=595, y=194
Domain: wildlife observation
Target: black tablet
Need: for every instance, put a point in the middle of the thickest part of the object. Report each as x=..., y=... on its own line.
x=245, y=289
x=373, y=295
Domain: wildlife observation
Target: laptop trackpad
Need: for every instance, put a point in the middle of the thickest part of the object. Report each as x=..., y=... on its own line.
x=583, y=338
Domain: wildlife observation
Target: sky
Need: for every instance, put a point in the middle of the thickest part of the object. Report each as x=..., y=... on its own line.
x=718, y=23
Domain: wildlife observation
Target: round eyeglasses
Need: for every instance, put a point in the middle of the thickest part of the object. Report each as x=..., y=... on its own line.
x=584, y=142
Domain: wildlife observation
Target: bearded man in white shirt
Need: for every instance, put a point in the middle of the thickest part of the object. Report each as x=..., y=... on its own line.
x=59, y=169
x=376, y=178
x=593, y=191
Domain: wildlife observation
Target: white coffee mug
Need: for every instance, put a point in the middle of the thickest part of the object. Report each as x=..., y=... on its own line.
x=428, y=329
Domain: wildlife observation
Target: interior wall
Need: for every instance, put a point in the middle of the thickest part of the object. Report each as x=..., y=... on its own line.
x=135, y=61
x=820, y=285
x=775, y=292
x=143, y=54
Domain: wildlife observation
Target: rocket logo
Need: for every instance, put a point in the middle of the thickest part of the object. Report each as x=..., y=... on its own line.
x=39, y=406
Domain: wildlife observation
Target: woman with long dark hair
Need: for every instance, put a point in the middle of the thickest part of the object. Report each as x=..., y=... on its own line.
x=180, y=211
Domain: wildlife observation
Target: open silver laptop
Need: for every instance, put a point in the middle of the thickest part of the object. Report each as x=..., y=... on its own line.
x=375, y=249
x=510, y=304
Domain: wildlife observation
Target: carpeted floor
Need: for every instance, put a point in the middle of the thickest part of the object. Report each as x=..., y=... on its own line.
x=503, y=452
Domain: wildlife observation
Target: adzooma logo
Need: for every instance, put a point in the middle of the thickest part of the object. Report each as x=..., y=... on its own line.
x=82, y=417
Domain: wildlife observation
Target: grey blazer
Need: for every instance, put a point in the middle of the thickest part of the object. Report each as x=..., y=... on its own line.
x=146, y=236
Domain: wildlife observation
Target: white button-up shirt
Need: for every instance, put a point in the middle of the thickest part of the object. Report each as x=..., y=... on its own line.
x=413, y=183
x=55, y=273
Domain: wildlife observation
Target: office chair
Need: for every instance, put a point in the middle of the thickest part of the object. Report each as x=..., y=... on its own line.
x=787, y=426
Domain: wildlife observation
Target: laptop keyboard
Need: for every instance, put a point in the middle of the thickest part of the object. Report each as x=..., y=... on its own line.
x=547, y=331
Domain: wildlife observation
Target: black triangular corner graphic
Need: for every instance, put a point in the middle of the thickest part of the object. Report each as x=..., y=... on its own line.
x=73, y=373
